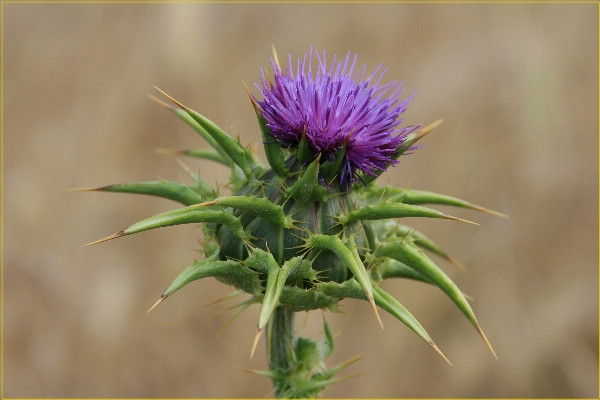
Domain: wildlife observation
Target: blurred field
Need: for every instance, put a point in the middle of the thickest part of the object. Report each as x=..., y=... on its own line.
x=517, y=86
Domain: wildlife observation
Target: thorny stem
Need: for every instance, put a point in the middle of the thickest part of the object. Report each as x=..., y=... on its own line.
x=280, y=343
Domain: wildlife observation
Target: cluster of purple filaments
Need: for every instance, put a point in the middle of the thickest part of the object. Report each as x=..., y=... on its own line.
x=335, y=107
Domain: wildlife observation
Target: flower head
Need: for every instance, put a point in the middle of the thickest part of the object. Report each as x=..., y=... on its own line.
x=337, y=106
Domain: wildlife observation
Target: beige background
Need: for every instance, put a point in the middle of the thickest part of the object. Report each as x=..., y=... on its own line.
x=517, y=85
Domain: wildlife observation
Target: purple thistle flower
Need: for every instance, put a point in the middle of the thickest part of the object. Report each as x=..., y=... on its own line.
x=335, y=107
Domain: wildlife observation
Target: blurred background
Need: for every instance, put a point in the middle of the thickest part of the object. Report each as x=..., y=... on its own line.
x=517, y=86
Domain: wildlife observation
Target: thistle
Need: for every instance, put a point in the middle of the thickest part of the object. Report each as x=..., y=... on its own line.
x=312, y=227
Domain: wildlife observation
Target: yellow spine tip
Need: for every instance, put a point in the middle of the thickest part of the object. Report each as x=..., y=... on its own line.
x=372, y=301
x=439, y=352
x=459, y=219
x=258, y=333
x=162, y=298
x=173, y=100
x=275, y=56
x=487, y=211
x=88, y=189
x=113, y=236
x=487, y=342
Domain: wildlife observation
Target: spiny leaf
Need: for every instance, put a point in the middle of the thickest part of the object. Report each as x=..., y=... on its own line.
x=411, y=256
x=230, y=271
x=350, y=257
x=424, y=242
x=395, y=269
x=231, y=147
x=412, y=196
x=182, y=216
x=352, y=289
x=385, y=211
x=169, y=190
x=259, y=206
x=187, y=118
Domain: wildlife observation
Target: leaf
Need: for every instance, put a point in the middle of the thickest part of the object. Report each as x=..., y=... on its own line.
x=259, y=206
x=350, y=258
x=232, y=148
x=413, y=257
x=169, y=190
x=391, y=194
x=229, y=271
x=352, y=289
x=182, y=216
x=195, y=126
x=385, y=211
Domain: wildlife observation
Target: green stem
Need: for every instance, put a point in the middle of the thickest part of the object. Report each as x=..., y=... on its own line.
x=280, y=344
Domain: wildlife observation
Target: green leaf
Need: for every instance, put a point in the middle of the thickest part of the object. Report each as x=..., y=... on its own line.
x=413, y=257
x=349, y=257
x=394, y=231
x=385, y=211
x=232, y=148
x=352, y=289
x=395, y=269
x=390, y=194
x=166, y=189
x=259, y=206
x=192, y=123
x=230, y=271
x=182, y=216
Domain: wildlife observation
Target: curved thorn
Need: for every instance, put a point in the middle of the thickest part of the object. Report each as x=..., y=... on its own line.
x=162, y=298
x=258, y=333
x=439, y=352
x=113, y=236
